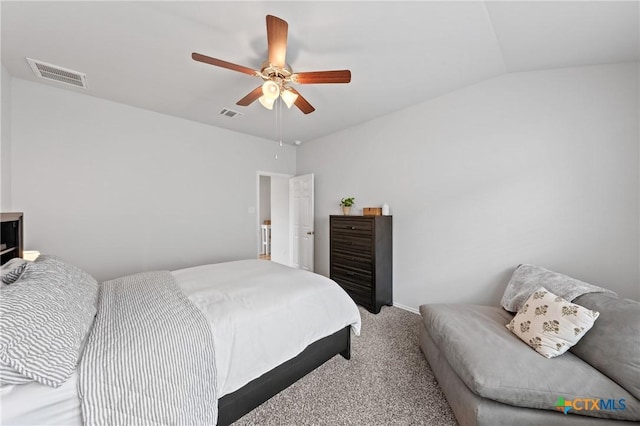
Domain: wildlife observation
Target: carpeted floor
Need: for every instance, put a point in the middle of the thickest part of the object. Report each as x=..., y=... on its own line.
x=386, y=382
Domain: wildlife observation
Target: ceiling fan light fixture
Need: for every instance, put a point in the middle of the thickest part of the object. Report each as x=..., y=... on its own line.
x=276, y=73
x=271, y=90
x=266, y=102
x=288, y=97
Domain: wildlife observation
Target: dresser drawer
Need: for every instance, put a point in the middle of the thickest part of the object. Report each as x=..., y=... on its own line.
x=362, y=293
x=359, y=298
x=347, y=258
x=352, y=227
x=354, y=276
x=351, y=244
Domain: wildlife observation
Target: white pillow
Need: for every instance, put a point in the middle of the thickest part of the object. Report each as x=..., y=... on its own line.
x=550, y=324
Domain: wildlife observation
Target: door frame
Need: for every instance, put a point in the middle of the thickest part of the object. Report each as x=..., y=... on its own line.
x=269, y=174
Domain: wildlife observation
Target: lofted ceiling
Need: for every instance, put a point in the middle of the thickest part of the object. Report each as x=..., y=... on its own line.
x=399, y=53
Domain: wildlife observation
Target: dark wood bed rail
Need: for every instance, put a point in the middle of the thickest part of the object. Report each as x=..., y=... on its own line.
x=235, y=405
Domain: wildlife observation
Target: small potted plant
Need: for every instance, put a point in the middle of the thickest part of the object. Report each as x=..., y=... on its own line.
x=346, y=204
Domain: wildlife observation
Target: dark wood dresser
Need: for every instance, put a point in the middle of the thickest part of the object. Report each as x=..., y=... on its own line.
x=361, y=258
x=10, y=236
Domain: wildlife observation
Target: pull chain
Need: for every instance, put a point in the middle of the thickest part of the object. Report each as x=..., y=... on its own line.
x=279, y=125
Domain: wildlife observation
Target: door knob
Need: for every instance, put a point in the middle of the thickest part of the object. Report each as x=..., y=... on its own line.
x=310, y=233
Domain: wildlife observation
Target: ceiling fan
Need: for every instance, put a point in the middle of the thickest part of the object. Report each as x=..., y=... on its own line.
x=277, y=74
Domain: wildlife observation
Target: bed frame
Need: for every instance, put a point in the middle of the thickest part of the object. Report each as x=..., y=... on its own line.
x=235, y=405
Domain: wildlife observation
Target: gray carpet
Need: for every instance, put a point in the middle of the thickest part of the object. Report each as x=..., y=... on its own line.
x=386, y=382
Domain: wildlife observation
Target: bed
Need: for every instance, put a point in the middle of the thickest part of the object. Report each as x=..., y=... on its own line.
x=269, y=324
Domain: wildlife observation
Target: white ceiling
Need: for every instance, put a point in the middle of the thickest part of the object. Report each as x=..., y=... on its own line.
x=399, y=53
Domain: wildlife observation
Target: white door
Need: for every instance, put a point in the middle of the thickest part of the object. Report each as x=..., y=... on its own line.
x=301, y=219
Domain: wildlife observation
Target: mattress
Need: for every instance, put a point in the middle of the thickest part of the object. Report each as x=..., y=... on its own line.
x=261, y=313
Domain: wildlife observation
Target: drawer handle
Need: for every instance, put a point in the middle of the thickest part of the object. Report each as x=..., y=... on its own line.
x=353, y=227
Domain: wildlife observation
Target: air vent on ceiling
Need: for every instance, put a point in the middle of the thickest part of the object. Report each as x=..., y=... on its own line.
x=229, y=113
x=59, y=74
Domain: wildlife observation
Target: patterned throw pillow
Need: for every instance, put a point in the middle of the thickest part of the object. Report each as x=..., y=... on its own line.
x=551, y=324
x=44, y=320
x=13, y=275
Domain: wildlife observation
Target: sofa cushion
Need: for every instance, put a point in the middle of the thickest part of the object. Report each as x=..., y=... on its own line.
x=613, y=344
x=550, y=324
x=494, y=363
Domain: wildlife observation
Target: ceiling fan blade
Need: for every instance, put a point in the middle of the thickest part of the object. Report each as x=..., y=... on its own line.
x=224, y=64
x=252, y=96
x=318, y=77
x=302, y=103
x=277, y=40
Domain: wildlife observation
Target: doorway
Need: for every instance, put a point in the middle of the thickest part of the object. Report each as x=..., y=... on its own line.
x=272, y=216
x=285, y=219
x=264, y=217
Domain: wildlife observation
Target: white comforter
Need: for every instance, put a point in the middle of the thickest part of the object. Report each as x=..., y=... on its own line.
x=256, y=327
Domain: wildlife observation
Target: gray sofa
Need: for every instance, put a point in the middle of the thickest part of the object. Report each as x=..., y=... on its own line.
x=490, y=377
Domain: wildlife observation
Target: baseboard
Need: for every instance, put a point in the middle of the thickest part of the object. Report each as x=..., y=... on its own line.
x=406, y=308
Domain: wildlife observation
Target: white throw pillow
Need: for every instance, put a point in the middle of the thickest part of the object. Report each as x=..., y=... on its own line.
x=550, y=324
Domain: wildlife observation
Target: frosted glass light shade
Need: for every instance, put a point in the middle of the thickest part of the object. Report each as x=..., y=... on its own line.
x=288, y=97
x=266, y=102
x=270, y=90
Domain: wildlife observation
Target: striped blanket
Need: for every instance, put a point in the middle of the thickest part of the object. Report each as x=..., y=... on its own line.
x=149, y=358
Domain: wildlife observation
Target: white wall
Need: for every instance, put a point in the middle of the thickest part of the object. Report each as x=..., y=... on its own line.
x=116, y=189
x=5, y=143
x=280, y=220
x=536, y=167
